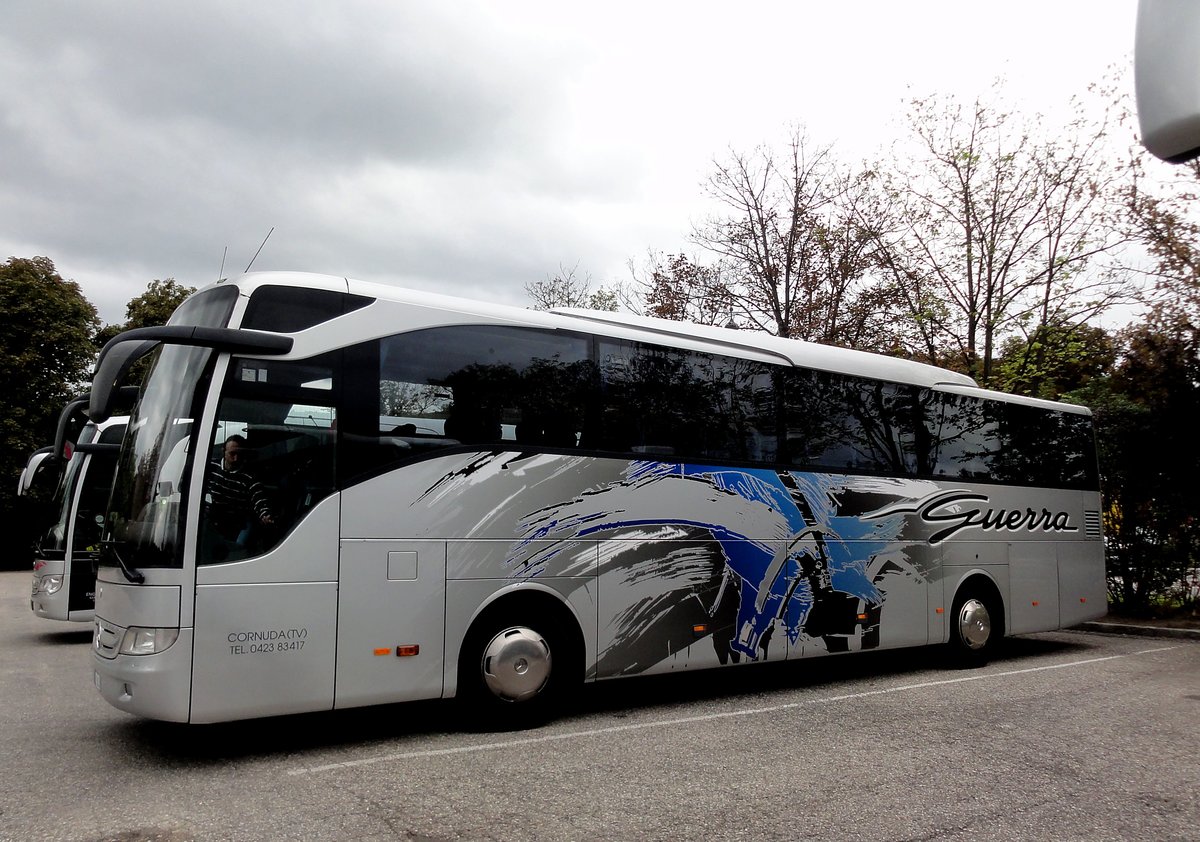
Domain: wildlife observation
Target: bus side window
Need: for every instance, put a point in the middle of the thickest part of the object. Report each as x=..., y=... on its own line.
x=484, y=385
x=963, y=435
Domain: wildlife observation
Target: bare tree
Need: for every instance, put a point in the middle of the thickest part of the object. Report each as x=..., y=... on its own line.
x=992, y=231
x=767, y=238
x=568, y=289
x=675, y=286
x=792, y=256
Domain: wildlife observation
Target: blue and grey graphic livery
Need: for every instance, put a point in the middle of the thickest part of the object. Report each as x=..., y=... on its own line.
x=806, y=559
x=731, y=558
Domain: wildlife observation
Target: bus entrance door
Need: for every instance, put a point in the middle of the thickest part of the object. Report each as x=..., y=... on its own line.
x=266, y=626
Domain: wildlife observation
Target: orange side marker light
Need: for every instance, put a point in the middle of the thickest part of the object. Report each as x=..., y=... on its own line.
x=384, y=651
x=939, y=611
x=1035, y=603
x=700, y=629
x=408, y=650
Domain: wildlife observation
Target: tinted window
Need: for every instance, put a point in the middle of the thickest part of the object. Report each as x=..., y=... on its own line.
x=112, y=435
x=851, y=423
x=418, y=392
x=93, y=501
x=1010, y=443
x=209, y=308
x=1038, y=447
x=964, y=435
x=496, y=386
x=667, y=402
x=289, y=309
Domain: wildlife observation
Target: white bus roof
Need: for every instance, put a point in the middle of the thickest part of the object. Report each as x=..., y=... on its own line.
x=796, y=351
x=750, y=344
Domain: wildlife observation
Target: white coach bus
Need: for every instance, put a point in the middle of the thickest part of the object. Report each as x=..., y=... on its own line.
x=64, y=576
x=446, y=498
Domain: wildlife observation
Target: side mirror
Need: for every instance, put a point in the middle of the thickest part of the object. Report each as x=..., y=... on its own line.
x=1167, y=78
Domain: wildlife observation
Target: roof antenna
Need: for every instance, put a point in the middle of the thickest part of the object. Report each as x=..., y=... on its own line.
x=221, y=271
x=260, y=248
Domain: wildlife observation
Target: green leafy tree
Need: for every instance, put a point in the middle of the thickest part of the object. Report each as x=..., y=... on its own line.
x=150, y=309
x=1054, y=359
x=1149, y=452
x=46, y=352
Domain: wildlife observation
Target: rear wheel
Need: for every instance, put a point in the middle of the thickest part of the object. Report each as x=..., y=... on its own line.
x=975, y=628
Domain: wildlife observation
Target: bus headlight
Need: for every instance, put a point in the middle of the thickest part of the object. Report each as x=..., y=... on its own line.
x=51, y=584
x=142, y=641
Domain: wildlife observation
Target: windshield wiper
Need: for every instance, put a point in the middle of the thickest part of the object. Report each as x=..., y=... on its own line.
x=109, y=554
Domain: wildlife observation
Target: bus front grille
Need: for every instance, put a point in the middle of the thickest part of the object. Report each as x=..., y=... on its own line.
x=106, y=639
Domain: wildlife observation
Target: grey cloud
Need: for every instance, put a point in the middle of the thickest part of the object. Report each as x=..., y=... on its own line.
x=396, y=80
x=158, y=135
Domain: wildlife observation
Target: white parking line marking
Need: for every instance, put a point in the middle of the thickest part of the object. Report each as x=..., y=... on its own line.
x=708, y=717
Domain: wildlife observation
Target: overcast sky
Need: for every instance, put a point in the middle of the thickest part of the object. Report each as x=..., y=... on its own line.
x=461, y=147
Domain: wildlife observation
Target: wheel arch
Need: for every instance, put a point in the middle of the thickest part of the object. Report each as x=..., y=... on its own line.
x=524, y=599
x=981, y=583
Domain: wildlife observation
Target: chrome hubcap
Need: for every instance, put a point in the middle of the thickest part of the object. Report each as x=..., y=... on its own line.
x=974, y=624
x=516, y=664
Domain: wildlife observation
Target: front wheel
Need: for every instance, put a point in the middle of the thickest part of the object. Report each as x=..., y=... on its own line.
x=513, y=674
x=516, y=665
x=975, y=630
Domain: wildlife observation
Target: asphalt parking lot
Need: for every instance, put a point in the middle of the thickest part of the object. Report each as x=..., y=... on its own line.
x=1070, y=735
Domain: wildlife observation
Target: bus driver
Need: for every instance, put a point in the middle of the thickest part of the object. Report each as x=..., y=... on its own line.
x=236, y=499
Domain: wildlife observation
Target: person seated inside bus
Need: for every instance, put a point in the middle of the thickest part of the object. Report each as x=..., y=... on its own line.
x=236, y=501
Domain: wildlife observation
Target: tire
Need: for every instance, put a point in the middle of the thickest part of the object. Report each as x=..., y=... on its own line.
x=976, y=627
x=514, y=674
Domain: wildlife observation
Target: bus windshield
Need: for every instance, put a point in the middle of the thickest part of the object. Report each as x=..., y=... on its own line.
x=55, y=538
x=150, y=489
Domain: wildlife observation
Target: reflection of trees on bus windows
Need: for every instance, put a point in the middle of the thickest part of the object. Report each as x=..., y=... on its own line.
x=491, y=384
x=737, y=429
x=1077, y=446
x=870, y=433
x=481, y=394
x=1044, y=448
x=654, y=403
x=853, y=423
x=669, y=402
x=553, y=402
x=964, y=436
x=411, y=400
x=484, y=384
x=924, y=403
x=769, y=392
x=821, y=428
